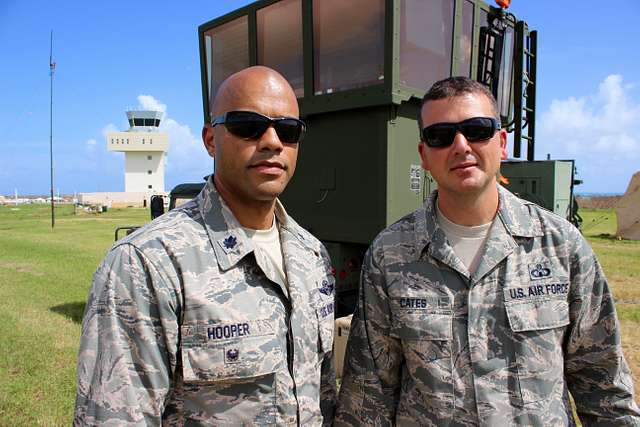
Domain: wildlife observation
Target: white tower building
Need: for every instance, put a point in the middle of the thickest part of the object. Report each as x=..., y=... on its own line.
x=144, y=149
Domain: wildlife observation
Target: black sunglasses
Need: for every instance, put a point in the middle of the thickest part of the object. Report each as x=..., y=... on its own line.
x=474, y=129
x=250, y=125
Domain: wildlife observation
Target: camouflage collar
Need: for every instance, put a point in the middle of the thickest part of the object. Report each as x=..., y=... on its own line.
x=513, y=212
x=228, y=239
x=516, y=215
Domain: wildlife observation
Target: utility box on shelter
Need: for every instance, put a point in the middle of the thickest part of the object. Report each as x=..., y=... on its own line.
x=547, y=183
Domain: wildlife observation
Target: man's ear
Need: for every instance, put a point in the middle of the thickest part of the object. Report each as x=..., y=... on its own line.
x=503, y=144
x=424, y=160
x=208, y=140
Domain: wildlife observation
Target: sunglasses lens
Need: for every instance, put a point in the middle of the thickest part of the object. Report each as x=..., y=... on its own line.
x=440, y=135
x=477, y=129
x=474, y=129
x=246, y=124
x=290, y=131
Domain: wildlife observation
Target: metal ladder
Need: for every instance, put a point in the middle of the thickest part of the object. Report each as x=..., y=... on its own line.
x=524, y=115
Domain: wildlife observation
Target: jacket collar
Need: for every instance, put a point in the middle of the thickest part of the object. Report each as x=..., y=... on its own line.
x=515, y=221
x=227, y=237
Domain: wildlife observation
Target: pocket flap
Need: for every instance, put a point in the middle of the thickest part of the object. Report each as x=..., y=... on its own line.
x=537, y=314
x=212, y=352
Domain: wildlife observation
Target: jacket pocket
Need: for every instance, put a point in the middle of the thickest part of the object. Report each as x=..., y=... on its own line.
x=231, y=381
x=427, y=339
x=538, y=327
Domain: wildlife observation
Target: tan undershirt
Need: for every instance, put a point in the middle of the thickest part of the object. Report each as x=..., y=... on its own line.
x=267, y=243
x=467, y=242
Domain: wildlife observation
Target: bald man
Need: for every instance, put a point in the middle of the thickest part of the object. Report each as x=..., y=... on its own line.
x=219, y=312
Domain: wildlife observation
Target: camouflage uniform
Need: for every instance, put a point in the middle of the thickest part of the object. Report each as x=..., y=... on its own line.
x=183, y=326
x=431, y=345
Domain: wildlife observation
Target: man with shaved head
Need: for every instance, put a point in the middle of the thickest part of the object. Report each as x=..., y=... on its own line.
x=219, y=312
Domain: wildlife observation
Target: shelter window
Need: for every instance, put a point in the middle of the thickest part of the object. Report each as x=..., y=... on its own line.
x=157, y=122
x=149, y=157
x=465, y=42
x=149, y=172
x=226, y=52
x=280, y=41
x=348, y=44
x=148, y=122
x=138, y=122
x=506, y=74
x=150, y=186
x=131, y=122
x=426, y=39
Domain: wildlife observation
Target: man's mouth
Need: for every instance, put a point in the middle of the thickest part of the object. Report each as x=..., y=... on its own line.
x=463, y=166
x=268, y=167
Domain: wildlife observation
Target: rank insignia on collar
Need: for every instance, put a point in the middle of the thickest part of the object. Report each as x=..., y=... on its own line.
x=327, y=288
x=230, y=242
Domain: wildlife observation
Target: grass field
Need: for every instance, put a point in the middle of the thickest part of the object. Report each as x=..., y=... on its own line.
x=45, y=276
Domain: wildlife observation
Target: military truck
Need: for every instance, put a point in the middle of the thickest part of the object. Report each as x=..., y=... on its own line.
x=359, y=69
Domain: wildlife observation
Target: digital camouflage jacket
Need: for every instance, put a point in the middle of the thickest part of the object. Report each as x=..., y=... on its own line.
x=431, y=345
x=183, y=326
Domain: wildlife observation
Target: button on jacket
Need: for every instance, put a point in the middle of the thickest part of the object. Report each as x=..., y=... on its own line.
x=185, y=326
x=431, y=344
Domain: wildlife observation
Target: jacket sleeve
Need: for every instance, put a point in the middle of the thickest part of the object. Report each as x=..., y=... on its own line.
x=371, y=380
x=597, y=374
x=328, y=393
x=128, y=344
x=328, y=390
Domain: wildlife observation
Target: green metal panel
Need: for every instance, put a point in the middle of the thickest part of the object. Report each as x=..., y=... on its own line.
x=405, y=179
x=339, y=188
x=562, y=191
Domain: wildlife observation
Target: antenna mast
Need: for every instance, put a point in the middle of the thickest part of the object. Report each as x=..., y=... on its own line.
x=52, y=67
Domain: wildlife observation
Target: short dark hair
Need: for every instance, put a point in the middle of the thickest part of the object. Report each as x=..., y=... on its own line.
x=452, y=87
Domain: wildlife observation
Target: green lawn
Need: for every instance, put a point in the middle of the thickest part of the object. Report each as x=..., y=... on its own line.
x=45, y=276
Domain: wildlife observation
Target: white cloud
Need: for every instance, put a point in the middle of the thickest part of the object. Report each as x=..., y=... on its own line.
x=601, y=131
x=90, y=145
x=108, y=128
x=148, y=102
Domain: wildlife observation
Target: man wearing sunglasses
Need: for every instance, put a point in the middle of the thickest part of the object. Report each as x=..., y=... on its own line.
x=481, y=308
x=219, y=312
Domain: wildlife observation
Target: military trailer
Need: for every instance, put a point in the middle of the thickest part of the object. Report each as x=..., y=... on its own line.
x=359, y=69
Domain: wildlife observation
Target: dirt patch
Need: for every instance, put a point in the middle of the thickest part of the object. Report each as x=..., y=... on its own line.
x=625, y=289
x=20, y=267
x=603, y=202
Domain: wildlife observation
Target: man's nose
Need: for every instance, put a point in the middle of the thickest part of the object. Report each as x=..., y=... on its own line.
x=270, y=140
x=460, y=144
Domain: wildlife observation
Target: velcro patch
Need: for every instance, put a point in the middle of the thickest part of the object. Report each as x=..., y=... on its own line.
x=219, y=332
x=326, y=310
x=536, y=291
x=540, y=270
x=421, y=303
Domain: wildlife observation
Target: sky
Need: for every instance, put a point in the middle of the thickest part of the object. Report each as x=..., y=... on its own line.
x=115, y=55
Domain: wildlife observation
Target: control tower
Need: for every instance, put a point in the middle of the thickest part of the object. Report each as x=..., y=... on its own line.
x=144, y=149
